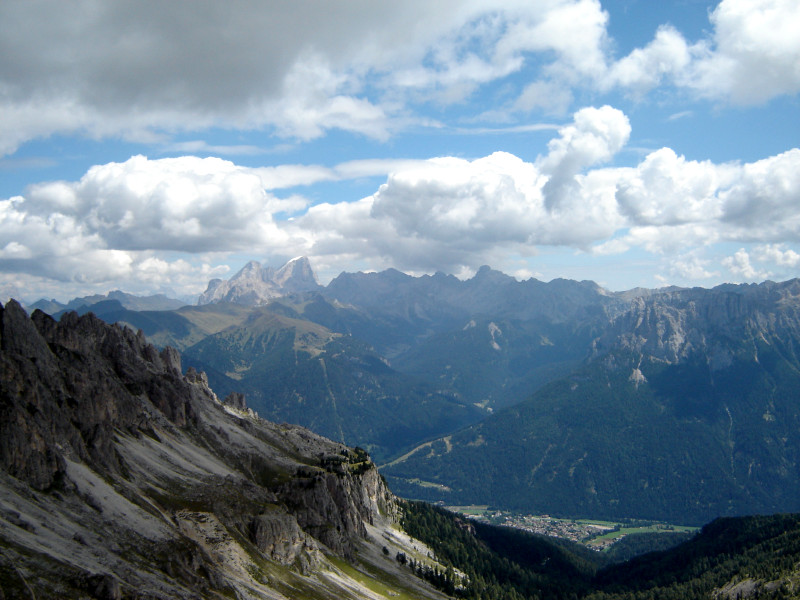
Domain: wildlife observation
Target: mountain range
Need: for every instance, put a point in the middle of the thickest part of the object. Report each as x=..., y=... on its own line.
x=124, y=477
x=129, y=301
x=687, y=408
x=672, y=404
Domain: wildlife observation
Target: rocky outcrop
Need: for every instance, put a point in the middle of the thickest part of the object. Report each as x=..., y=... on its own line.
x=277, y=534
x=335, y=508
x=67, y=387
x=134, y=478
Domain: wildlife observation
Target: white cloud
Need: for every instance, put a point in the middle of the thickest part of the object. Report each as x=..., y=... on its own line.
x=595, y=135
x=453, y=214
x=762, y=204
x=574, y=31
x=775, y=253
x=739, y=265
x=644, y=68
x=201, y=146
x=106, y=226
x=691, y=267
x=184, y=204
x=310, y=104
x=754, y=54
x=751, y=55
x=548, y=96
x=174, y=220
x=145, y=70
x=669, y=200
x=448, y=198
x=666, y=189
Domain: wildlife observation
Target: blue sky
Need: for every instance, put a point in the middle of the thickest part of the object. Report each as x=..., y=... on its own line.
x=150, y=146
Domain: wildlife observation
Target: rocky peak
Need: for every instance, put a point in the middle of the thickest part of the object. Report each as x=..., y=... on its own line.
x=487, y=275
x=255, y=285
x=297, y=276
x=253, y=271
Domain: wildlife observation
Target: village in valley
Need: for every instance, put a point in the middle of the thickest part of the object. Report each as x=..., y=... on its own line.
x=598, y=535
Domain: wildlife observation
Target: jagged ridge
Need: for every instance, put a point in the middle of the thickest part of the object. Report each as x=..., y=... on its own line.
x=254, y=285
x=122, y=477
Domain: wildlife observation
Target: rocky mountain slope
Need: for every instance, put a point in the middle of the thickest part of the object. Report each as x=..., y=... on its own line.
x=122, y=477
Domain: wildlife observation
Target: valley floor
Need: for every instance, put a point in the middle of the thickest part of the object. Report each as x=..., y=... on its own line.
x=595, y=534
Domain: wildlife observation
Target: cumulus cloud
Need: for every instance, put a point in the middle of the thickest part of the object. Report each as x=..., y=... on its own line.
x=754, y=54
x=107, y=225
x=574, y=31
x=691, y=267
x=145, y=70
x=175, y=219
x=447, y=213
x=668, y=55
x=595, y=135
x=739, y=265
x=750, y=55
x=778, y=254
x=666, y=189
x=185, y=204
x=668, y=200
x=453, y=214
x=762, y=202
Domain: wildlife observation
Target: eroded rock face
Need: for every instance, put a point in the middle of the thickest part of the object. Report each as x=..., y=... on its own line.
x=715, y=325
x=124, y=453
x=254, y=285
x=66, y=388
x=278, y=536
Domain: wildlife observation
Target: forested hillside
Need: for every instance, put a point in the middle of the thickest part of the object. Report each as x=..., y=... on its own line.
x=687, y=410
x=740, y=558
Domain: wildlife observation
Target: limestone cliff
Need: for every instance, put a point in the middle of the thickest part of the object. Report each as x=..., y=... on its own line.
x=255, y=285
x=714, y=325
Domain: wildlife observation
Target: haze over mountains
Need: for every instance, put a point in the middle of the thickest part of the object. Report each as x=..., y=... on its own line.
x=686, y=409
x=675, y=404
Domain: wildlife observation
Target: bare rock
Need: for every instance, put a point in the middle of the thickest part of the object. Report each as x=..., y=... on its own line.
x=235, y=400
x=278, y=536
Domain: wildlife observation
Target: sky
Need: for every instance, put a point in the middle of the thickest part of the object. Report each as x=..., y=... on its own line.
x=151, y=146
